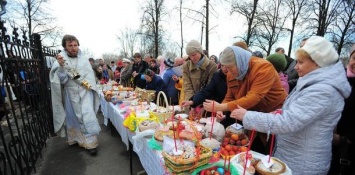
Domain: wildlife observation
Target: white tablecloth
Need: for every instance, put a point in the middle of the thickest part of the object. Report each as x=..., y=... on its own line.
x=151, y=160
x=111, y=112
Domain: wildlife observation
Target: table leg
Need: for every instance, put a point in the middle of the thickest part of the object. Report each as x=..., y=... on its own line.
x=114, y=131
x=130, y=149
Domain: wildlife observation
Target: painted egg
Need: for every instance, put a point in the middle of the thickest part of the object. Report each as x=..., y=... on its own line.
x=220, y=170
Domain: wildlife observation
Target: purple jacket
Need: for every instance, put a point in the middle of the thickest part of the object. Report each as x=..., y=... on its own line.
x=284, y=81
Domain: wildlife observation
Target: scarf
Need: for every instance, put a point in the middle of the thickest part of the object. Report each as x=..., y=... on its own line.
x=242, y=58
x=105, y=74
x=198, y=64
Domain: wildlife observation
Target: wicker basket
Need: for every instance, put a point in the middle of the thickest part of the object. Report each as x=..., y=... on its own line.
x=162, y=115
x=179, y=165
x=145, y=95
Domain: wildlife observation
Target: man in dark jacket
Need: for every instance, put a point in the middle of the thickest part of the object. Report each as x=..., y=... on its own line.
x=215, y=90
x=289, y=60
x=138, y=69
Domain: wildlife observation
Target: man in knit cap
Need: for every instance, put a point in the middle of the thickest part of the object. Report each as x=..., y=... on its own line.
x=278, y=61
x=197, y=71
x=252, y=83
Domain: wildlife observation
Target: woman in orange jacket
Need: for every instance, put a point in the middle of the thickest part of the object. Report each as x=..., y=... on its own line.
x=252, y=83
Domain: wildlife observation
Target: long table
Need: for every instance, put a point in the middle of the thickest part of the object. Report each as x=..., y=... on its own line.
x=151, y=160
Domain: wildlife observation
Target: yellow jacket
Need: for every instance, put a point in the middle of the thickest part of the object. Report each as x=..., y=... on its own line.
x=179, y=86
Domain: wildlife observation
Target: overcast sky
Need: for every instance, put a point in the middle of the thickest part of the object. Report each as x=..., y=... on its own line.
x=98, y=23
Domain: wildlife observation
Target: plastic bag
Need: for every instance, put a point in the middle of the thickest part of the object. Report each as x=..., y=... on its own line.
x=155, y=145
x=233, y=170
x=139, y=140
x=169, y=144
x=130, y=122
x=218, y=129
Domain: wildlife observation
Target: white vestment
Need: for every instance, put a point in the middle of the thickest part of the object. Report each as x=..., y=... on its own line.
x=73, y=105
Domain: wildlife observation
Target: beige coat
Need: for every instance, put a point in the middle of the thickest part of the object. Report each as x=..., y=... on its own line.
x=195, y=78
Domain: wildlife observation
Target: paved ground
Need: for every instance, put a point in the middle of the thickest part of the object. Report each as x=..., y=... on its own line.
x=112, y=157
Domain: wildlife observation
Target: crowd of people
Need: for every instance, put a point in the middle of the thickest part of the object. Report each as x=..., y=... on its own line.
x=310, y=93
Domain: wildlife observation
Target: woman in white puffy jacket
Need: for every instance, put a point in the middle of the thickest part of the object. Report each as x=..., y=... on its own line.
x=305, y=127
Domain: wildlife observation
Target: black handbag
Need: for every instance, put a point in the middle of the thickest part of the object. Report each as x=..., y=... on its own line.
x=344, y=160
x=341, y=164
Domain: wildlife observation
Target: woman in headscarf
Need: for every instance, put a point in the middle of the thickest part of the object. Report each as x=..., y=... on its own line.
x=305, y=125
x=253, y=84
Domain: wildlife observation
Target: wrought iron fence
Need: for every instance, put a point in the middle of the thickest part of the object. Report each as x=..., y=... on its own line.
x=25, y=105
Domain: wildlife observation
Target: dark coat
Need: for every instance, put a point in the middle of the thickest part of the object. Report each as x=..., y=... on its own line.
x=140, y=69
x=289, y=60
x=215, y=90
x=346, y=129
x=156, y=84
x=155, y=69
x=125, y=76
x=346, y=124
x=292, y=75
x=172, y=92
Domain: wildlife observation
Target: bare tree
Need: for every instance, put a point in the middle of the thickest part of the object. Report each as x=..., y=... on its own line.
x=196, y=18
x=128, y=40
x=297, y=8
x=207, y=23
x=249, y=11
x=325, y=12
x=271, y=25
x=108, y=57
x=205, y=12
x=35, y=14
x=343, y=29
x=181, y=31
x=153, y=12
x=87, y=52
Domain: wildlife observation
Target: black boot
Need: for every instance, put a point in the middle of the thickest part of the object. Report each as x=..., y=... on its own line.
x=93, y=151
